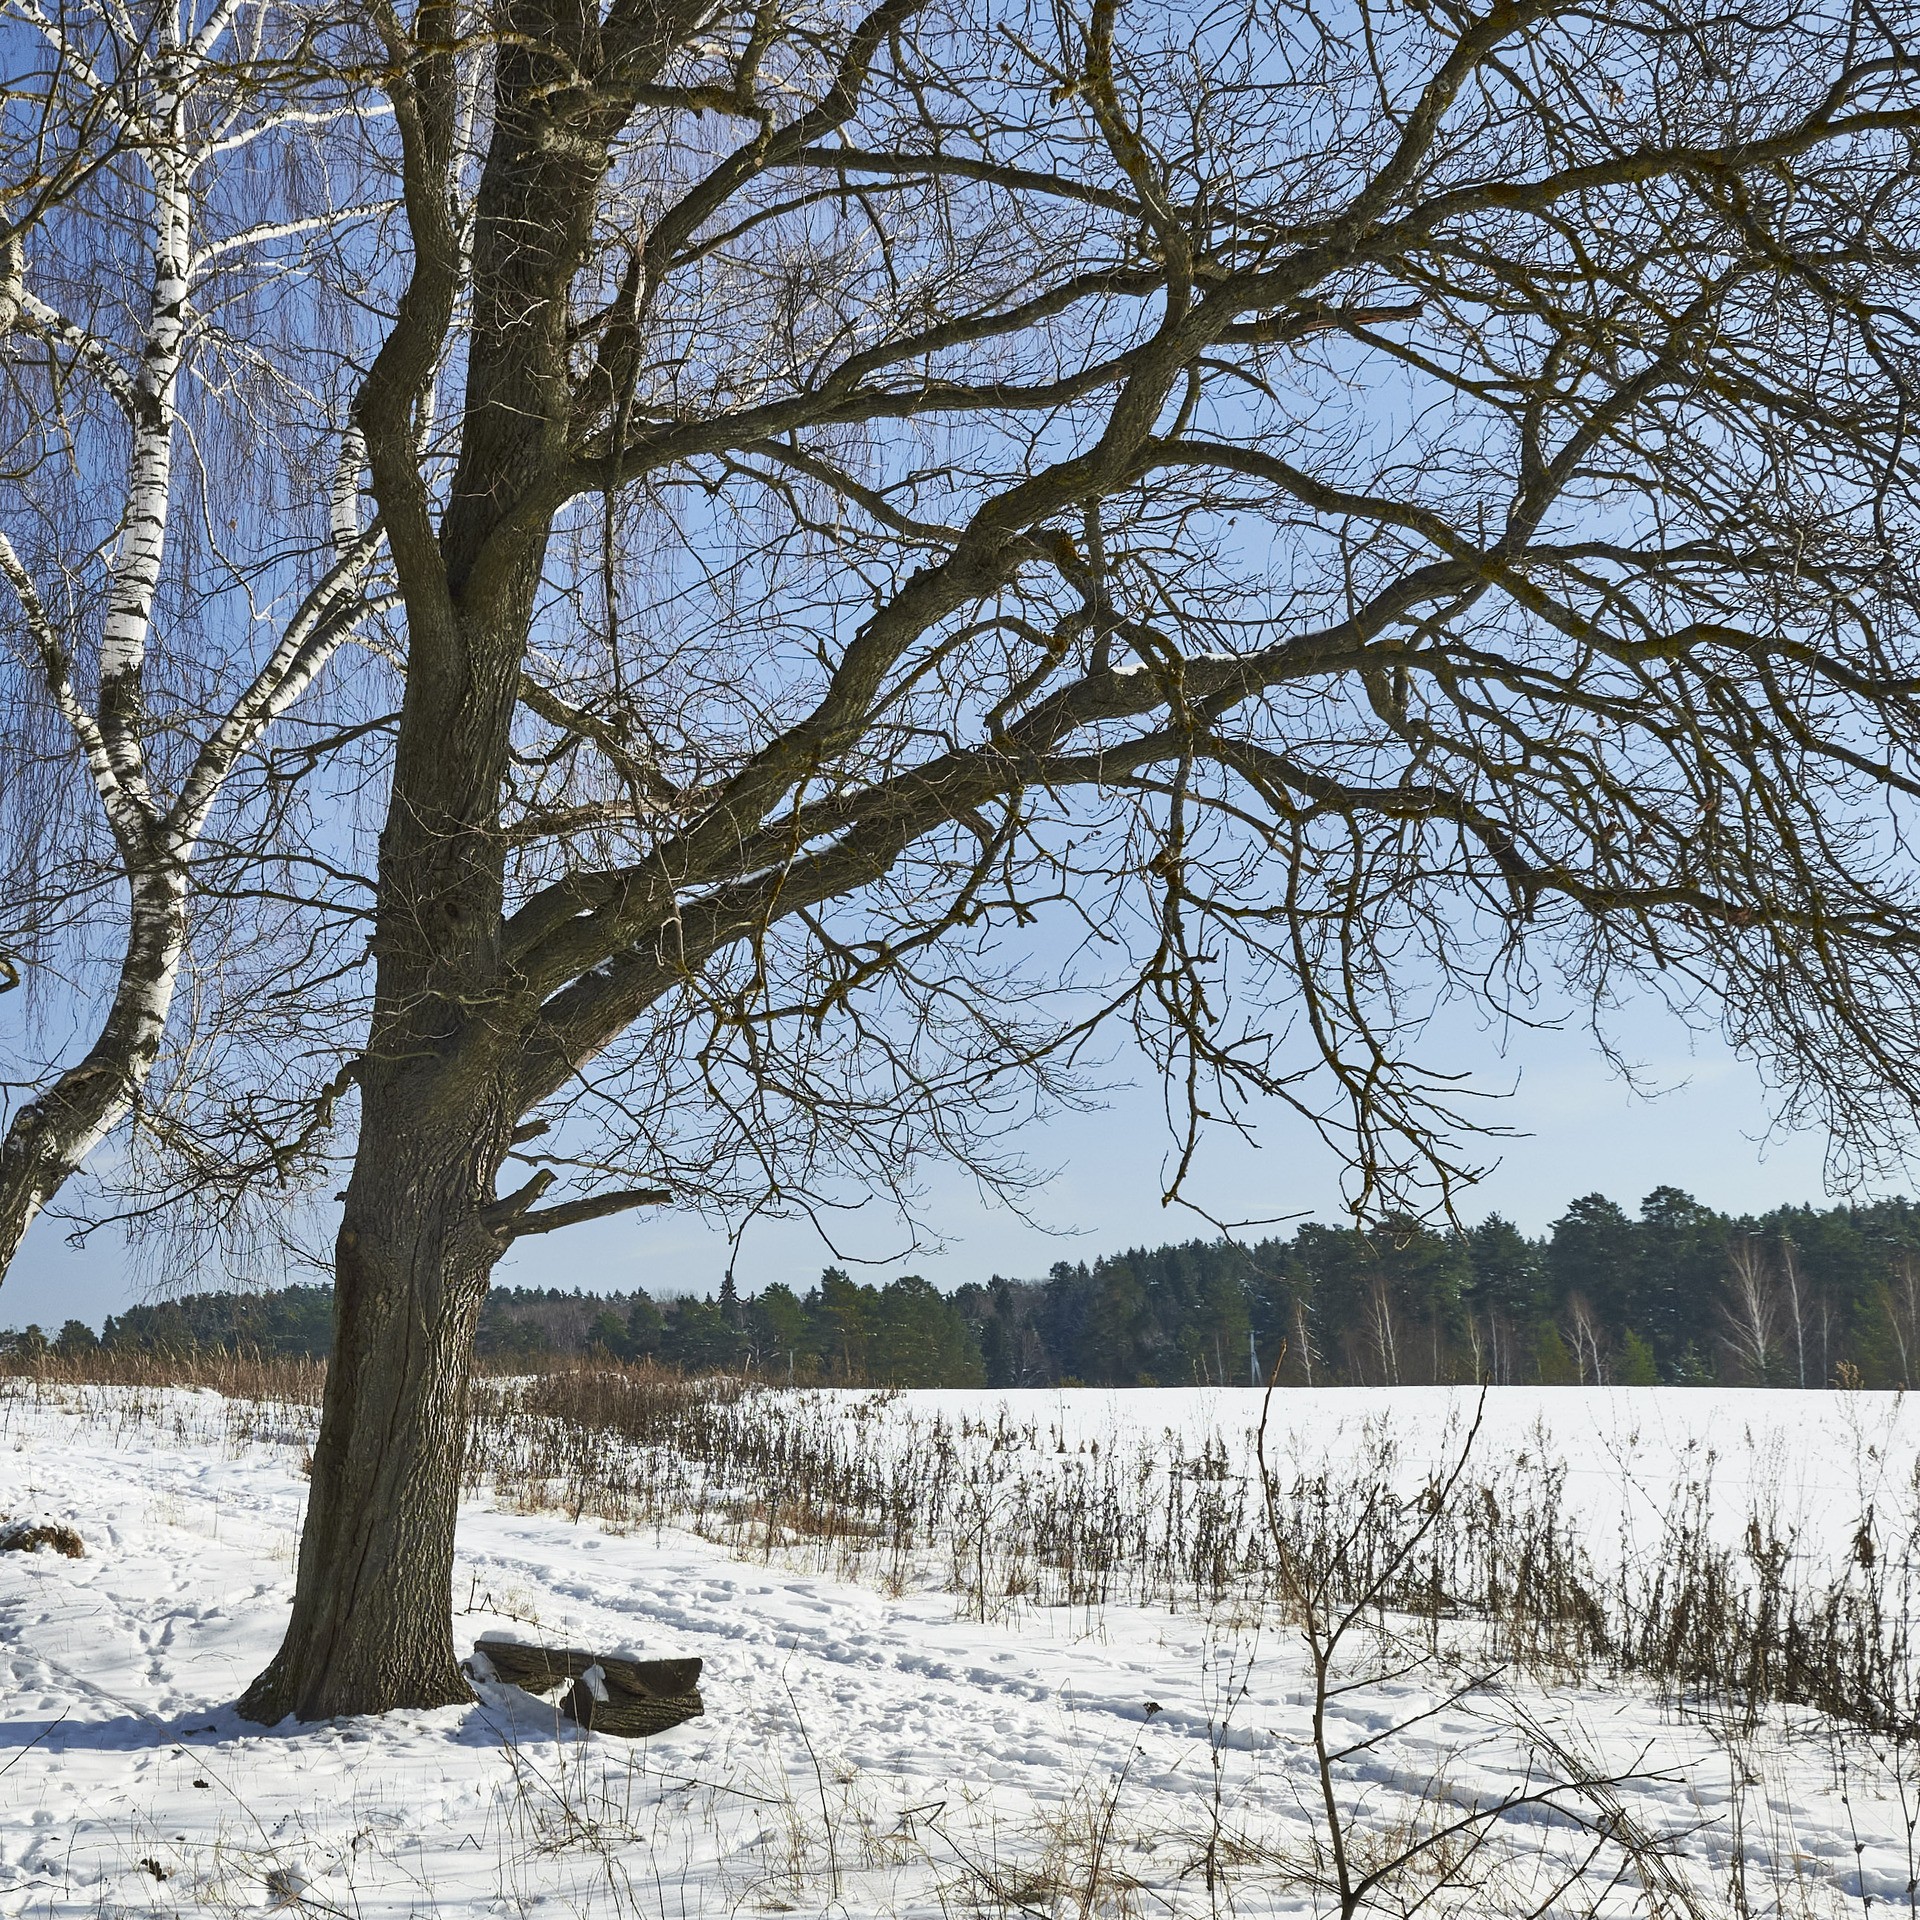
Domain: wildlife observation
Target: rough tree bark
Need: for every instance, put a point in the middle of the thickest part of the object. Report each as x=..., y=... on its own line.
x=419, y=1236
x=371, y=1622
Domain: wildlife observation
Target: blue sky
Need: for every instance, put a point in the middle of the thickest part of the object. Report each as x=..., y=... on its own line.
x=1585, y=1131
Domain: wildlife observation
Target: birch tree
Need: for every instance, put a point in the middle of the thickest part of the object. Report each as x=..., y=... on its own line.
x=1323, y=507
x=187, y=189
x=1751, y=1310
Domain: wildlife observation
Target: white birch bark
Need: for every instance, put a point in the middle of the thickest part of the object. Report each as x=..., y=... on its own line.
x=51, y=1136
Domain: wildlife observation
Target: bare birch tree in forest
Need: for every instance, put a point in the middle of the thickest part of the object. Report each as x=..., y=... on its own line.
x=929, y=533
x=181, y=531
x=1751, y=1311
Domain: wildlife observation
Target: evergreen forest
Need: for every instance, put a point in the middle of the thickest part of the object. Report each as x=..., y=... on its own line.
x=1674, y=1293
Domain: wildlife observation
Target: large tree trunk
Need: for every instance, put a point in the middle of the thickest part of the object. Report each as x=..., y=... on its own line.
x=50, y=1137
x=371, y=1627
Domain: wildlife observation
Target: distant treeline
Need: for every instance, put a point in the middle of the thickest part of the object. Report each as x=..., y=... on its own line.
x=1680, y=1294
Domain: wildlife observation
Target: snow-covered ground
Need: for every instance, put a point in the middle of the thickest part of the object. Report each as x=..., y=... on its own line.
x=866, y=1752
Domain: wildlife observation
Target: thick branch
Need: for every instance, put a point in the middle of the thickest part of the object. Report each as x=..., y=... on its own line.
x=572, y=1213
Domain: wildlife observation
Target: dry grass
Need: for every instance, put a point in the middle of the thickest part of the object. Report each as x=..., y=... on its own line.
x=237, y=1376
x=1007, y=1517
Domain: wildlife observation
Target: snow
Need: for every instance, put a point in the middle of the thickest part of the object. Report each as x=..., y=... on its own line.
x=863, y=1751
x=1817, y=1460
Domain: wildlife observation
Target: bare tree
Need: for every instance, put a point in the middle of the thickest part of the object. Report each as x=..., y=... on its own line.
x=1303, y=1340
x=147, y=273
x=1315, y=510
x=1900, y=1302
x=1793, y=1302
x=1583, y=1332
x=1500, y=1348
x=1751, y=1310
x=1382, y=1328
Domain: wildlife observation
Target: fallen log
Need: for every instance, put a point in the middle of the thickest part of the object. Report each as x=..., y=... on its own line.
x=610, y=1708
x=608, y=1693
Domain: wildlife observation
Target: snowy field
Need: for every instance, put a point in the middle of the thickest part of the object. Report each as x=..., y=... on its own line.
x=867, y=1752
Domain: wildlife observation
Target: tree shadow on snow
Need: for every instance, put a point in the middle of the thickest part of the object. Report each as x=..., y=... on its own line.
x=488, y=1722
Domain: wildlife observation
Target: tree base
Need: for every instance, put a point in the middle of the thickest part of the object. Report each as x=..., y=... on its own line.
x=280, y=1693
